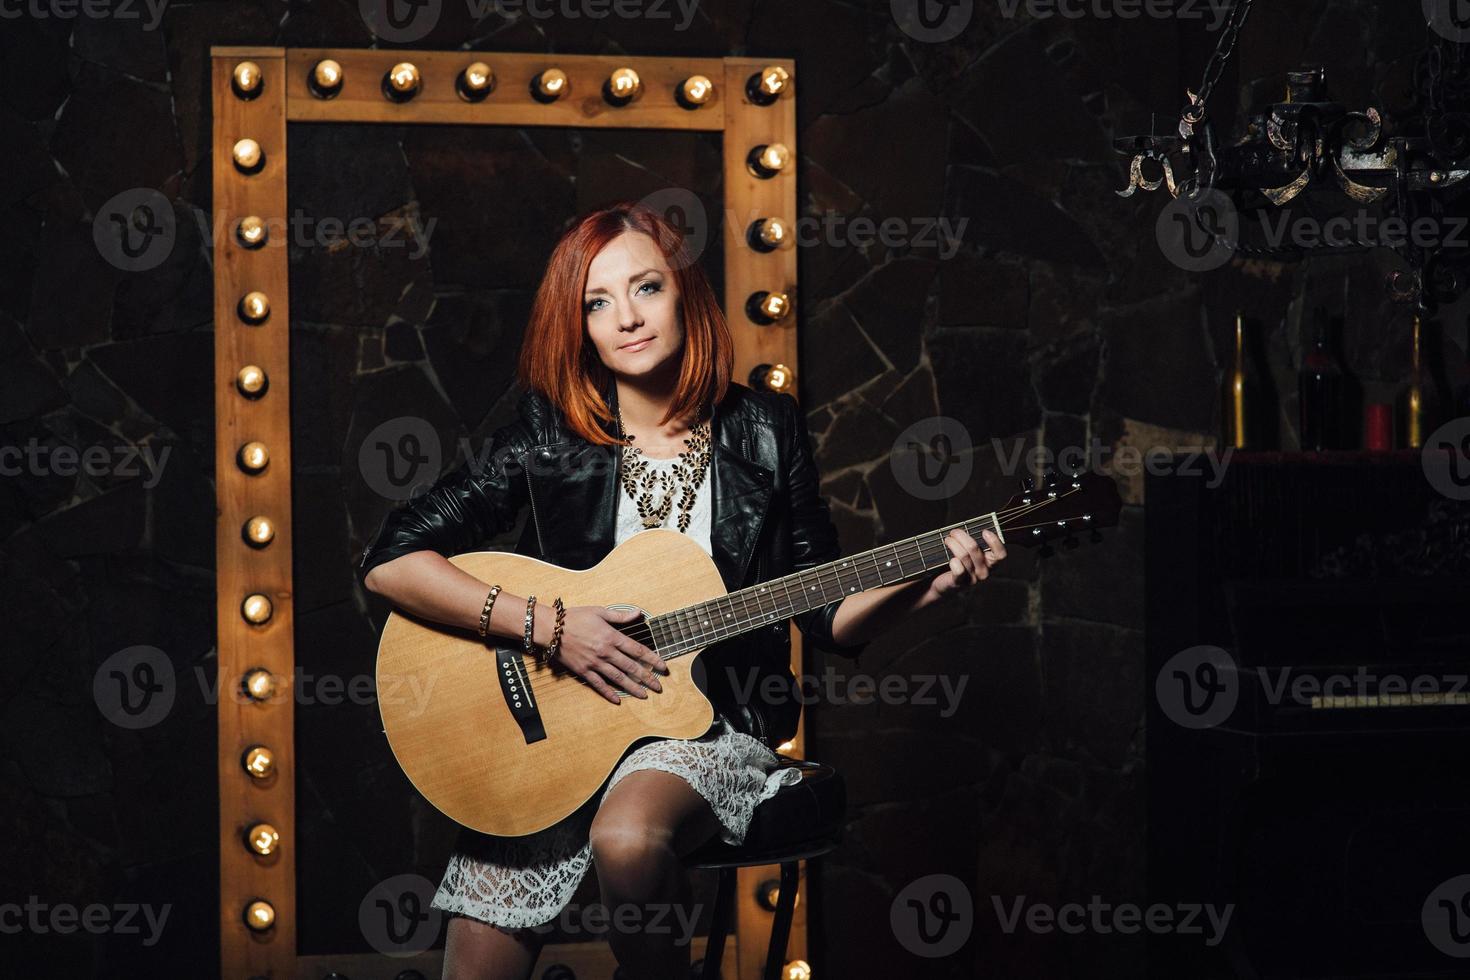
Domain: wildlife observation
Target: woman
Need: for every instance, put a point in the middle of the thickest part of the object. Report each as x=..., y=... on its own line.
x=627, y=353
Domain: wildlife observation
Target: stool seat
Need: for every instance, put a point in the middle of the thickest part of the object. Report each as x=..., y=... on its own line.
x=802, y=820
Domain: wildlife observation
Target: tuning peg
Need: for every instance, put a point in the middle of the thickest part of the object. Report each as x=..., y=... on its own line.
x=1028, y=484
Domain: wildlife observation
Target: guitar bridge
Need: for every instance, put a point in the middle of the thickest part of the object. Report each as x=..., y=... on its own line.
x=515, y=686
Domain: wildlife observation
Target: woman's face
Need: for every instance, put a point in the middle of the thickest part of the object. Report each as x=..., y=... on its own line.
x=632, y=308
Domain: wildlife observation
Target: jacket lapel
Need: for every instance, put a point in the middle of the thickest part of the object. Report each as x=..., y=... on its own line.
x=742, y=493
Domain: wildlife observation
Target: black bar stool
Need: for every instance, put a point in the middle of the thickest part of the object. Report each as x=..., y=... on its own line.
x=803, y=820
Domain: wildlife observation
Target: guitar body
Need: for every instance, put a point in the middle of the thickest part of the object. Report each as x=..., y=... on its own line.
x=449, y=720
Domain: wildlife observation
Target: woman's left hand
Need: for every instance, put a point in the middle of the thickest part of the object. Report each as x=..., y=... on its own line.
x=970, y=561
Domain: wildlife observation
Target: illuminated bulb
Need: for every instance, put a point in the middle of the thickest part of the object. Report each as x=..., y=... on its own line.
x=696, y=90
x=797, y=970
x=254, y=457
x=254, y=307
x=623, y=86
x=256, y=609
x=768, y=159
x=247, y=80
x=776, y=377
x=551, y=84
x=785, y=746
x=326, y=78
x=247, y=154
x=258, y=762
x=766, y=308
x=262, y=838
x=251, y=231
x=260, y=531
x=251, y=381
x=260, y=915
x=773, y=81
x=259, y=684
x=475, y=82
x=769, y=234
x=401, y=82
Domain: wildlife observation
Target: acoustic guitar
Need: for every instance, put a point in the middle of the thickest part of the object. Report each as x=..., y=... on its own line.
x=506, y=744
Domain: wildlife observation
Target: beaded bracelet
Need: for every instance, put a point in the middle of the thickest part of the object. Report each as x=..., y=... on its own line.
x=530, y=616
x=555, y=647
x=485, y=613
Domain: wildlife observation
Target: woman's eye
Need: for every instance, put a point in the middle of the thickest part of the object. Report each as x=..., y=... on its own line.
x=592, y=305
x=654, y=286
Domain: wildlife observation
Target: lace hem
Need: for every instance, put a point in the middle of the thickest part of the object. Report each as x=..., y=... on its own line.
x=520, y=882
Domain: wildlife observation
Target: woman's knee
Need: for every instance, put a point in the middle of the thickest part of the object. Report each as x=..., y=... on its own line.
x=628, y=845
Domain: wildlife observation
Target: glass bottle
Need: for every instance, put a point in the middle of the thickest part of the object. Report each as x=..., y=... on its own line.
x=1418, y=406
x=1320, y=390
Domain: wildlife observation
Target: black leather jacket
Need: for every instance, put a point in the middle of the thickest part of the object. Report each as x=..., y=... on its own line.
x=768, y=519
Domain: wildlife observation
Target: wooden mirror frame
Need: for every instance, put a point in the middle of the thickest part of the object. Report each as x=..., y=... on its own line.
x=245, y=572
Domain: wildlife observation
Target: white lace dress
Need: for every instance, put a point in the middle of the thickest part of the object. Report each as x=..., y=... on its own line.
x=520, y=882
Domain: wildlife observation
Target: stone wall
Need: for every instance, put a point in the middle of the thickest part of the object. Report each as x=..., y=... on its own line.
x=1052, y=319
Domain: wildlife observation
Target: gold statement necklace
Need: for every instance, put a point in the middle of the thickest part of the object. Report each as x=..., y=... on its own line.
x=655, y=491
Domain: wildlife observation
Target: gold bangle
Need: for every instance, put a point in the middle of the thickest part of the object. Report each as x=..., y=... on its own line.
x=485, y=613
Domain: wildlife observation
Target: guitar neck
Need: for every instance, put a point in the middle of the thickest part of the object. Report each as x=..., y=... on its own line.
x=700, y=625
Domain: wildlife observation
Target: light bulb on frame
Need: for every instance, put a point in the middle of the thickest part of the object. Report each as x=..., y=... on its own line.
x=768, y=160
x=402, y=82
x=260, y=915
x=262, y=839
x=550, y=85
x=768, y=234
x=251, y=381
x=247, y=80
x=767, y=308
x=767, y=85
x=259, y=762
x=475, y=82
x=774, y=377
x=253, y=457
x=248, y=156
x=325, y=80
x=622, y=87
x=259, y=531
x=256, y=609
x=694, y=91
x=255, y=307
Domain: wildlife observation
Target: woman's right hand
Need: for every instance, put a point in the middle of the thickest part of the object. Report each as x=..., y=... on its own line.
x=593, y=648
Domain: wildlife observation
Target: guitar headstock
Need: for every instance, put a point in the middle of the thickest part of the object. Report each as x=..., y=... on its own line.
x=1060, y=506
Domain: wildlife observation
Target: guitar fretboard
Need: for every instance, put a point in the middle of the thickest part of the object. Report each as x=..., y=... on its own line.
x=698, y=626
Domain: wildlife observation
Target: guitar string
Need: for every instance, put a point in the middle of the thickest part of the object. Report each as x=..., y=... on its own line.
x=642, y=632
x=913, y=547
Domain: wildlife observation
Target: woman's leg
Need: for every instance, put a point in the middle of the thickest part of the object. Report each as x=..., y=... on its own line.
x=645, y=824
x=475, y=950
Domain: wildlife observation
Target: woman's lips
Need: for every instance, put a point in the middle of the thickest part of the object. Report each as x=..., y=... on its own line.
x=635, y=347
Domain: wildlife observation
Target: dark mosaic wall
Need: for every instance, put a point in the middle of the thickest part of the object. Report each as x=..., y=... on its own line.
x=1054, y=319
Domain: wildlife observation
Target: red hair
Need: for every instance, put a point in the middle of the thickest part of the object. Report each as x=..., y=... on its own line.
x=559, y=360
